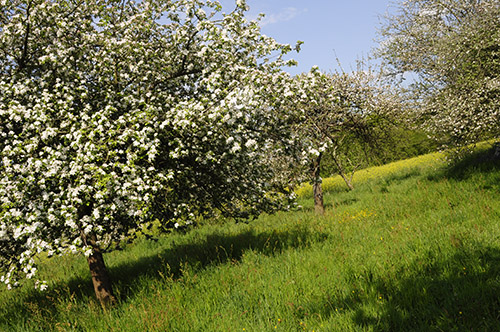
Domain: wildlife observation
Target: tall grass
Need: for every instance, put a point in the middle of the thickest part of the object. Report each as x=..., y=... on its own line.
x=415, y=249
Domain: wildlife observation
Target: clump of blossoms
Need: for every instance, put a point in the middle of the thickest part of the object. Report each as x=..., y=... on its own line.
x=116, y=113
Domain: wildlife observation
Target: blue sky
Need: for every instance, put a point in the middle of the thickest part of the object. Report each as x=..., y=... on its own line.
x=329, y=28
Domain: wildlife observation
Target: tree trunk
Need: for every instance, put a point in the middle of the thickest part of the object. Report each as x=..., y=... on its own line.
x=100, y=276
x=347, y=181
x=496, y=155
x=319, y=206
x=98, y=271
x=101, y=280
x=342, y=174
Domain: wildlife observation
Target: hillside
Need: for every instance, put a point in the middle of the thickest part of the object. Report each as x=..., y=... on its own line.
x=415, y=247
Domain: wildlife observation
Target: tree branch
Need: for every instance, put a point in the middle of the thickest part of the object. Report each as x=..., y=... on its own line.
x=24, y=56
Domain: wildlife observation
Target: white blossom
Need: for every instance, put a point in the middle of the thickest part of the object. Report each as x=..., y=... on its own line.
x=236, y=147
x=250, y=143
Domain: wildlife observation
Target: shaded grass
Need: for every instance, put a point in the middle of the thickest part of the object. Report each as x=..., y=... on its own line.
x=417, y=249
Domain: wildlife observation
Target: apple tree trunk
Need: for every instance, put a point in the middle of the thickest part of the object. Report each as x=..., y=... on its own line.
x=100, y=278
x=319, y=206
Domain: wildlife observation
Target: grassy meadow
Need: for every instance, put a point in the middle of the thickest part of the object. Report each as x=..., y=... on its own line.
x=415, y=247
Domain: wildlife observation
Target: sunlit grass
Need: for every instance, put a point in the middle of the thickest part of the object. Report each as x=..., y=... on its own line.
x=416, y=249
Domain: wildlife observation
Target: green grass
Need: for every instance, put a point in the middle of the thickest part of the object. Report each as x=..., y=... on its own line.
x=413, y=249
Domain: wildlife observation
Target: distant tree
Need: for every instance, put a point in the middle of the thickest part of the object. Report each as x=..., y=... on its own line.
x=342, y=116
x=452, y=47
x=114, y=113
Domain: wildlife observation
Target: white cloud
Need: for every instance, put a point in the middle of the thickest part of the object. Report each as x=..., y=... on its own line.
x=286, y=14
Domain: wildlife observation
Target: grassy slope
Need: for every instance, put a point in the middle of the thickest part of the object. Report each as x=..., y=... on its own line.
x=415, y=249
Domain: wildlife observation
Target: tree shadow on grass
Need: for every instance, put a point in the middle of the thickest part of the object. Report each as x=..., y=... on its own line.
x=482, y=161
x=457, y=293
x=214, y=249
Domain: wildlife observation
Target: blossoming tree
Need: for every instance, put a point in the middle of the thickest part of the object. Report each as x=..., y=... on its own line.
x=115, y=112
x=452, y=47
x=343, y=115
